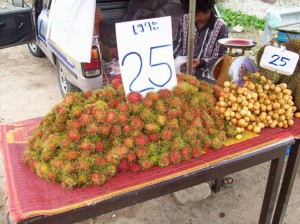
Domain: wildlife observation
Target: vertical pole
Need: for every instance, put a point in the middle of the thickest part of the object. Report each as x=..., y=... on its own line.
x=191, y=35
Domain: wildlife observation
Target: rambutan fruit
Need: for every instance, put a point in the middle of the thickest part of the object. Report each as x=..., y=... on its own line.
x=196, y=153
x=97, y=179
x=163, y=160
x=83, y=165
x=175, y=157
x=84, y=119
x=68, y=183
x=116, y=131
x=57, y=163
x=99, y=146
x=83, y=179
x=126, y=129
x=178, y=91
x=92, y=129
x=62, y=116
x=135, y=108
x=206, y=142
x=141, y=153
x=190, y=133
x=128, y=142
x=104, y=129
x=141, y=141
x=188, y=115
x=197, y=123
x=134, y=168
x=134, y=97
x=74, y=135
x=99, y=115
x=100, y=161
x=74, y=124
x=146, y=115
x=110, y=171
x=109, y=93
x=172, y=113
x=43, y=169
x=145, y=164
x=111, y=117
x=52, y=177
x=185, y=153
x=167, y=135
x=131, y=157
x=153, y=137
x=71, y=155
x=152, y=128
x=120, y=151
x=152, y=148
x=177, y=143
x=114, y=103
x=173, y=123
x=153, y=96
x=123, y=166
x=137, y=123
x=175, y=102
x=123, y=118
x=123, y=107
x=161, y=120
x=165, y=93
x=147, y=102
x=47, y=155
x=69, y=98
x=86, y=146
x=88, y=94
x=216, y=143
x=160, y=106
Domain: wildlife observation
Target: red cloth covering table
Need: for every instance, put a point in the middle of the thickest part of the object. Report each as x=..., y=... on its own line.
x=29, y=196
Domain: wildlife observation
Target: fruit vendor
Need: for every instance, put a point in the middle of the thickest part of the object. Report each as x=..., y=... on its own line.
x=209, y=29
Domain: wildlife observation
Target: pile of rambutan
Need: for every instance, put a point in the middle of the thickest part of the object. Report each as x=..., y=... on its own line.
x=89, y=137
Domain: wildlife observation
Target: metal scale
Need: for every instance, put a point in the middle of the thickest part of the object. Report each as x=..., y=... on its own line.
x=234, y=64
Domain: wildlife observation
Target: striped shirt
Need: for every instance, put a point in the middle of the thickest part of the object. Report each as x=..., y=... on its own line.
x=206, y=47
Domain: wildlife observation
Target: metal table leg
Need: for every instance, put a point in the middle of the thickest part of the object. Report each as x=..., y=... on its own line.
x=287, y=183
x=272, y=189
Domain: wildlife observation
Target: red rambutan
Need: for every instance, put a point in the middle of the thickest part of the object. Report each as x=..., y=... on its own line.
x=145, y=164
x=153, y=137
x=123, y=118
x=196, y=153
x=99, y=115
x=71, y=155
x=137, y=123
x=128, y=142
x=165, y=93
x=74, y=135
x=99, y=146
x=88, y=94
x=141, y=140
x=153, y=96
x=134, y=97
x=92, y=129
x=116, y=131
x=175, y=157
x=97, y=179
x=134, y=167
x=185, y=153
x=131, y=157
x=111, y=117
x=123, y=166
x=123, y=107
x=163, y=160
x=141, y=153
x=104, y=129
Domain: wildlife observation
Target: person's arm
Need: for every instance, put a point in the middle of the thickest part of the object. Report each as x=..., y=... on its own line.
x=178, y=42
x=217, y=52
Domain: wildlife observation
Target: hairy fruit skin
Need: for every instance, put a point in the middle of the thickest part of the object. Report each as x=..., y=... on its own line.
x=90, y=137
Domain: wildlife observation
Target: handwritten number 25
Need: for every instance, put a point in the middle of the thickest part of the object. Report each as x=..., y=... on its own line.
x=151, y=64
x=282, y=59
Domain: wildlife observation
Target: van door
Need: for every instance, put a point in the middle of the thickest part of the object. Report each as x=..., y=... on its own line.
x=16, y=25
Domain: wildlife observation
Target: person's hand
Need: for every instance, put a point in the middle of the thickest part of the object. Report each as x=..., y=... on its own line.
x=196, y=62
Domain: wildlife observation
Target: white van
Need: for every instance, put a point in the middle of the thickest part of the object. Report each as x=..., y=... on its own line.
x=22, y=24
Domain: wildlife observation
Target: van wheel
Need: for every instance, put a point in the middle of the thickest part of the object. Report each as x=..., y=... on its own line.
x=35, y=50
x=64, y=85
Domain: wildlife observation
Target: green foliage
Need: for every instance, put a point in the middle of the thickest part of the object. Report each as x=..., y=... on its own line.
x=234, y=18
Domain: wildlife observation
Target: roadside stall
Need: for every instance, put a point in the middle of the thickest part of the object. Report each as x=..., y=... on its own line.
x=153, y=132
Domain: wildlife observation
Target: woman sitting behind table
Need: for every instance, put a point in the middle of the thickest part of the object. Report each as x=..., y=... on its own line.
x=208, y=30
x=107, y=53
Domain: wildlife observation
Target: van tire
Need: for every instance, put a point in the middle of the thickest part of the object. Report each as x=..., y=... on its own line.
x=35, y=50
x=64, y=85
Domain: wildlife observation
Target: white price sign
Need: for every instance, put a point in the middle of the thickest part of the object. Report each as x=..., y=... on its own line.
x=279, y=59
x=145, y=49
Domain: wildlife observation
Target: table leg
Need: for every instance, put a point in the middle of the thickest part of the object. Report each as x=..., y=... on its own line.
x=272, y=188
x=216, y=186
x=287, y=183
